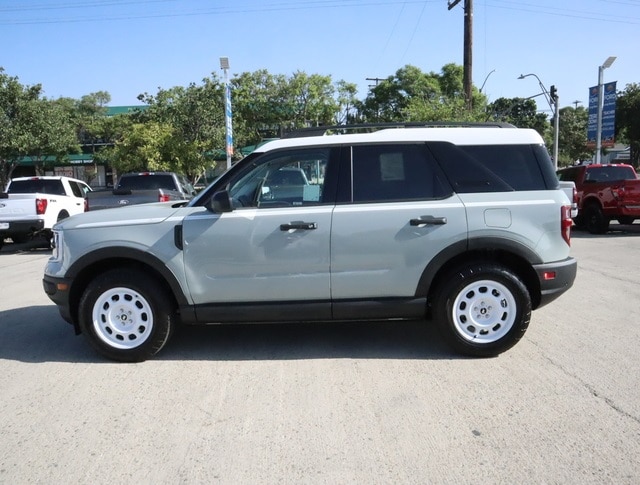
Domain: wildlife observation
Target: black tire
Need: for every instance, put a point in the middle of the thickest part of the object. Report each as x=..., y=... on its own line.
x=578, y=222
x=595, y=220
x=126, y=315
x=478, y=292
x=626, y=220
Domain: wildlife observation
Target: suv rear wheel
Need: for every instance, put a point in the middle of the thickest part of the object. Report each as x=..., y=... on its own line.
x=482, y=310
x=126, y=315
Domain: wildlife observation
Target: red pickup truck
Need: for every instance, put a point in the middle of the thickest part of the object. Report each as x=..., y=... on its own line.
x=604, y=192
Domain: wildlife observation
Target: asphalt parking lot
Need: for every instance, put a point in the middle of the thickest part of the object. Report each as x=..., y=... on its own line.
x=336, y=404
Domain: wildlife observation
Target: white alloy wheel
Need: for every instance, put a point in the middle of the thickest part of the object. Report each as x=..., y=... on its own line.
x=122, y=318
x=484, y=311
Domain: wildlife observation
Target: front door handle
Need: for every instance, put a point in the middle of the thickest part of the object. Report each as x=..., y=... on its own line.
x=428, y=220
x=299, y=225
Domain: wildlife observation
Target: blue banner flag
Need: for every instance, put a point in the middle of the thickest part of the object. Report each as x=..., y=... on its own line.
x=608, y=132
x=609, y=115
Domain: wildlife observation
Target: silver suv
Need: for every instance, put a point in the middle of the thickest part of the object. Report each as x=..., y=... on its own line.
x=466, y=226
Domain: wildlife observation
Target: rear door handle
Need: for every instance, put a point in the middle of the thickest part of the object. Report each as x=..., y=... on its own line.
x=428, y=220
x=299, y=225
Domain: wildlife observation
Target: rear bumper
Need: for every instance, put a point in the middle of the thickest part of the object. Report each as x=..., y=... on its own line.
x=21, y=227
x=555, y=278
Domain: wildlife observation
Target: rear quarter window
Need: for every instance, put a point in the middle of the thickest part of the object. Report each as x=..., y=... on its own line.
x=494, y=168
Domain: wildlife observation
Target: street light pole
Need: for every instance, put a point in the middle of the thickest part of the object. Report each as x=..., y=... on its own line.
x=485, y=80
x=224, y=65
x=552, y=100
x=556, y=128
x=601, y=69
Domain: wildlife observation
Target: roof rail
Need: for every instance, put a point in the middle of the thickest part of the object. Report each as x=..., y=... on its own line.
x=371, y=127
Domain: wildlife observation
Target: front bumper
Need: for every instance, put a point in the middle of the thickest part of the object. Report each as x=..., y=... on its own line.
x=57, y=289
x=564, y=274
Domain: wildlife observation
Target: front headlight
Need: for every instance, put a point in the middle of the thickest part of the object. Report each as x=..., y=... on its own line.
x=56, y=243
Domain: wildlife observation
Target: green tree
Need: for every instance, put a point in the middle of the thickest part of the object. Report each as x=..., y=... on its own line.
x=195, y=115
x=572, y=139
x=143, y=146
x=54, y=135
x=260, y=105
x=17, y=103
x=628, y=120
x=31, y=126
x=520, y=112
x=312, y=101
x=412, y=95
x=347, y=103
x=265, y=105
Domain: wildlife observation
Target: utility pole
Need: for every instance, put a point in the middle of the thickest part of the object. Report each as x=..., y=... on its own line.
x=376, y=79
x=468, y=48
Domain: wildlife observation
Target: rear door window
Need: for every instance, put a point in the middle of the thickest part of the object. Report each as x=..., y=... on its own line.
x=395, y=173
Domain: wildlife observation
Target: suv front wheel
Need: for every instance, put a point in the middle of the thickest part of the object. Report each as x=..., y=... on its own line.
x=482, y=310
x=126, y=315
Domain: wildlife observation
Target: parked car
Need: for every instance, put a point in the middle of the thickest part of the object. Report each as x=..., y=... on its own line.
x=143, y=188
x=604, y=192
x=465, y=225
x=30, y=206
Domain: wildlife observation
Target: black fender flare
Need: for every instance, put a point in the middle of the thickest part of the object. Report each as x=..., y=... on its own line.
x=100, y=257
x=461, y=249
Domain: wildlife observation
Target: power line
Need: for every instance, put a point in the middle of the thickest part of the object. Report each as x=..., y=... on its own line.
x=235, y=8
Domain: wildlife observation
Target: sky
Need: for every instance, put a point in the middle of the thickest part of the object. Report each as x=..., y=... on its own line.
x=128, y=47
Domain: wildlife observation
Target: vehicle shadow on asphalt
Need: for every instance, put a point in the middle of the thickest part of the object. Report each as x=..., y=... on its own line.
x=291, y=341
x=36, y=245
x=38, y=334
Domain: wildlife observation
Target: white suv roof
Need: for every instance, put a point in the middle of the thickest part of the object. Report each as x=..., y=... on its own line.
x=457, y=136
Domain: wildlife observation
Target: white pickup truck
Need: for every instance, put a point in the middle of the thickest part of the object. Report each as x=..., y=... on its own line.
x=569, y=188
x=32, y=205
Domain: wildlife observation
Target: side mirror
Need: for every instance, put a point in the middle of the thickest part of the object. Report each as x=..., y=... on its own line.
x=219, y=202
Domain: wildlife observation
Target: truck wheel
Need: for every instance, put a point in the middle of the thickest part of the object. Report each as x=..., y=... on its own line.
x=482, y=310
x=595, y=220
x=126, y=315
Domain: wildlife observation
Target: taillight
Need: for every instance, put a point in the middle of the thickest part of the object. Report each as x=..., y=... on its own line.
x=575, y=195
x=86, y=204
x=41, y=206
x=618, y=193
x=163, y=197
x=565, y=223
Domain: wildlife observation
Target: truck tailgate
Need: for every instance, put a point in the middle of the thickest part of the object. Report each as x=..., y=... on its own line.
x=17, y=207
x=628, y=195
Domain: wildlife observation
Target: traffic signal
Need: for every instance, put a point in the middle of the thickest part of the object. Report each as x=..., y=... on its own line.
x=553, y=94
